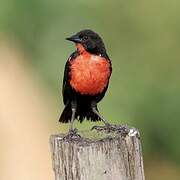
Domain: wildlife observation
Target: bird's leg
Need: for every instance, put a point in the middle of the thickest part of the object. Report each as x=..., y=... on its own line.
x=73, y=108
x=101, y=117
x=108, y=127
x=72, y=134
x=107, y=124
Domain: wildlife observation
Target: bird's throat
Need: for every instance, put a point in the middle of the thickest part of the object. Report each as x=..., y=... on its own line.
x=80, y=48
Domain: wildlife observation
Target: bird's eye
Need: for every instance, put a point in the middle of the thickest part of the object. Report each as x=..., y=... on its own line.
x=85, y=38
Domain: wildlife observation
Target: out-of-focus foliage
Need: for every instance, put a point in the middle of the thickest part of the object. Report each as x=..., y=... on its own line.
x=143, y=41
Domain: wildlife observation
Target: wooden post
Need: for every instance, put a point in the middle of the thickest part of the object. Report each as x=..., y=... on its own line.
x=102, y=156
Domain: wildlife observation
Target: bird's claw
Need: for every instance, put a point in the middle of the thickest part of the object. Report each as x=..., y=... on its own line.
x=98, y=128
x=72, y=135
x=108, y=128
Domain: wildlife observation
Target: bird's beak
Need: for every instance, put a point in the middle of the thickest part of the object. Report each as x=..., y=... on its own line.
x=75, y=38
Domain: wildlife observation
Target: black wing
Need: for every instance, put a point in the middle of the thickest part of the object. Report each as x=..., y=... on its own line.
x=66, y=89
x=101, y=95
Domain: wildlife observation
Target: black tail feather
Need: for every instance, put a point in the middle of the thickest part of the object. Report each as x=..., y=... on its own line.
x=83, y=112
x=66, y=114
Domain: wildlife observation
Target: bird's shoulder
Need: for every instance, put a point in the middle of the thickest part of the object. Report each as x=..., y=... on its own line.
x=67, y=65
x=66, y=86
x=73, y=56
x=105, y=55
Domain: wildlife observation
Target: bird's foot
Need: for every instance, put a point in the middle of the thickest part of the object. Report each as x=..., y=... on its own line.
x=110, y=128
x=98, y=128
x=72, y=135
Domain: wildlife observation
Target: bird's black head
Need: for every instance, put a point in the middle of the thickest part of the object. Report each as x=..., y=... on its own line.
x=90, y=40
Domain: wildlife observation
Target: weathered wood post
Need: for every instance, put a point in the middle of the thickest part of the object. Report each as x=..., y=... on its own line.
x=102, y=156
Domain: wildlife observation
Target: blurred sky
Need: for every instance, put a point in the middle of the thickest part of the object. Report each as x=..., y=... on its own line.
x=142, y=39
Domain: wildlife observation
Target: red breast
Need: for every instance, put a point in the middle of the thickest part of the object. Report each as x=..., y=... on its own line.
x=89, y=73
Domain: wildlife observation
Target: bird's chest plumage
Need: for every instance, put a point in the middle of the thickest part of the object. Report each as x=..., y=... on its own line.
x=89, y=74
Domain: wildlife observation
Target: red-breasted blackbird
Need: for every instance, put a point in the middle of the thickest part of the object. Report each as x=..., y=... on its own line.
x=86, y=78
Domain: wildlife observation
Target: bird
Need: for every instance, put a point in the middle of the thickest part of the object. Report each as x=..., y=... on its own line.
x=86, y=78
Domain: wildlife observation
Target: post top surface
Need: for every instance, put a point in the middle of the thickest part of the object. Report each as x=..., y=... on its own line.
x=97, y=135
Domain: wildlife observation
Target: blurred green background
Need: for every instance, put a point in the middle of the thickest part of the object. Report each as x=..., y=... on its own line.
x=143, y=41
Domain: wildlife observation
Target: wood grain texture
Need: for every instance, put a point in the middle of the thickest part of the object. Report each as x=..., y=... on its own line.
x=102, y=156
